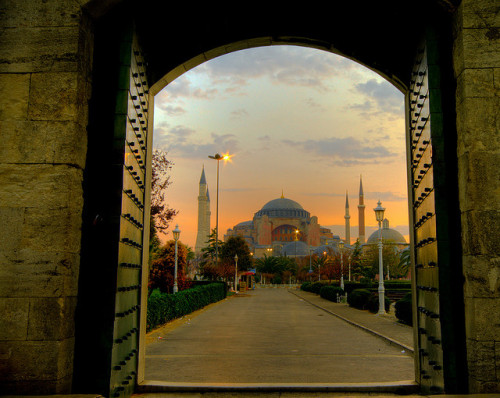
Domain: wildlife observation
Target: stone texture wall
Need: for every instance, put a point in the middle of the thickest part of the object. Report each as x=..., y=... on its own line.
x=477, y=69
x=45, y=54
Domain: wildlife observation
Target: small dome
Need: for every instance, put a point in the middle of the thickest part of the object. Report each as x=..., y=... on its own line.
x=325, y=248
x=295, y=248
x=244, y=224
x=388, y=235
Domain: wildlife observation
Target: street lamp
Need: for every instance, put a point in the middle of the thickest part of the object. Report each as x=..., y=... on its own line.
x=349, y=268
x=177, y=233
x=379, y=216
x=341, y=246
x=217, y=157
x=236, y=273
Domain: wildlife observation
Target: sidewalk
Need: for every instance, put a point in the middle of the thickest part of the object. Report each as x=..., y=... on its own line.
x=384, y=326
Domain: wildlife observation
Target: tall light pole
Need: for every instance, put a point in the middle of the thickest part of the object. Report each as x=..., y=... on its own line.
x=341, y=246
x=379, y=216
x=177, y=233
x=235, y=272
x=349, y=268
x=217, y=157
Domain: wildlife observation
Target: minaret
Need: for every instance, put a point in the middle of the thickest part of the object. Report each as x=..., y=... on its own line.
x=361, y=213
x=203, y=214
x=347, y=221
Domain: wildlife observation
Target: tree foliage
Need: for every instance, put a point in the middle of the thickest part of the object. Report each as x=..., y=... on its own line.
x=161, y=275
x=161, y=214
x=236, y=245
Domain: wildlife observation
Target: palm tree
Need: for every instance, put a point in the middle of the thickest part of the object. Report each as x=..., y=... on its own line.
x=404, y=261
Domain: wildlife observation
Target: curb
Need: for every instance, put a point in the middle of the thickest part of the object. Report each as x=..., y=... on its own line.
x=371, y=331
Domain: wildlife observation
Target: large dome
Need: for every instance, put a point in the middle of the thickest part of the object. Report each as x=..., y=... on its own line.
x=282, y=203
x=283, y=207
x=388, y=235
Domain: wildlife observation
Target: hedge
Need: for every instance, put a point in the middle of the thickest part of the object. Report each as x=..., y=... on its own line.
x=330, y=292
x=358, y=298
x=373, y=303
x=404, y=310
x=163, y=307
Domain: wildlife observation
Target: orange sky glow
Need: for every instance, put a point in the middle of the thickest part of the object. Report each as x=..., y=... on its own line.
x=300, y=121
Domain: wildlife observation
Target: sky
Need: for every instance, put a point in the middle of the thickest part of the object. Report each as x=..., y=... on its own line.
x=296, y=120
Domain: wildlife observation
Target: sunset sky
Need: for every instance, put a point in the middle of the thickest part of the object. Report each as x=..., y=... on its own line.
x=298, y=120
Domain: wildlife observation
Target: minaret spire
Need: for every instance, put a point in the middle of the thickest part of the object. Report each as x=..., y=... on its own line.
x=361, y=212
x=347, y=218
x=203, y=213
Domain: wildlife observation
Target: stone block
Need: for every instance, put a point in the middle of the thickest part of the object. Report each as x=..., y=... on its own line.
x=14, y=316
x=51, y=318
x=476, y=83
x=14, y=96
x=478, y=124
x=482, y=276
x=43, y=142
x=42, y=274
x=41, y=185
x=36, y=360
x=52, y=230
x=54, y=96
x=479, y=181
x=36, y=13
x=480, y=14
x=40, y=49
x=481, y=233
x=481, y=360
x=482, y=319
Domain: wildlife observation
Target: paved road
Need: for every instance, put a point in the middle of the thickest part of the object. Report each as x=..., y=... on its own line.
x=271, y=336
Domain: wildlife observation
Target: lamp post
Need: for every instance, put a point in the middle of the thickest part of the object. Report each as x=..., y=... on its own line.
x=217, y=157
x=235, y=272
x=176, y=232
x=349, y=268
x=341, y=246
x=379, y=216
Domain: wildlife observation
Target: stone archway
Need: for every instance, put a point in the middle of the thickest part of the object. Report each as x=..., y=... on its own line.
x=45, y=79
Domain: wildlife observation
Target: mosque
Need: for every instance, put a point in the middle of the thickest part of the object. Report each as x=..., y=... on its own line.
x=282, y=227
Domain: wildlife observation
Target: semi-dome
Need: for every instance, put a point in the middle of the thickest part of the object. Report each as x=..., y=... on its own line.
x=295, y=248
x=283, y=207
x=388, y=235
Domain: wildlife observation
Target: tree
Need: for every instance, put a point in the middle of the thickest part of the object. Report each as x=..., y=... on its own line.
x=403, y=266
x=236, y=245
x=208, y=252
x=370, y=260
x=161, y=214
x=161, y=275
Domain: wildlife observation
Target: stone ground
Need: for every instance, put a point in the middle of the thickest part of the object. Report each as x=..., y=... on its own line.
x=276, y=336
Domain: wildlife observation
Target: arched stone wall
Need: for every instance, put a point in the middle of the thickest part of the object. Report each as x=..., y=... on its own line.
x=45, y=83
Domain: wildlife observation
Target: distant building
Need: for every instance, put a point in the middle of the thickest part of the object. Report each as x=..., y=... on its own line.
x=203, y=214
x=282, y=227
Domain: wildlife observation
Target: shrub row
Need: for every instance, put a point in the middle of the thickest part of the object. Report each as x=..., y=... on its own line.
x=404, y=310
x=364, y=299
x=330, y=292
x=163, y=307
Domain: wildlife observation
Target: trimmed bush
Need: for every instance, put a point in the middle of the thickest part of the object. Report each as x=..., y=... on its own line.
x=316, y=287
x=163, y=307
x=306, y=287
x=359, y=298
x=404, y=310
x=372, y=303
x=330, y=292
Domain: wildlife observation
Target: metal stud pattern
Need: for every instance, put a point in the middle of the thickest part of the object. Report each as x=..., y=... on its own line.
x=425, y=237
x=131, y=129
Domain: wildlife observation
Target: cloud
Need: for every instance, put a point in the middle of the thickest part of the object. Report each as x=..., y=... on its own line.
x=348, y=151
x=182, y=141
x=380, y=97
x=386, y=196
x=239, y=113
